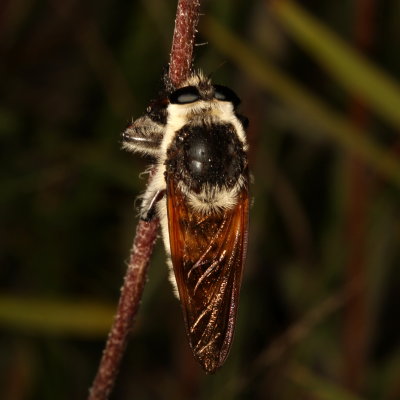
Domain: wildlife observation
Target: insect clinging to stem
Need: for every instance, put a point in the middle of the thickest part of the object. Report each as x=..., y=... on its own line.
x=200, y=193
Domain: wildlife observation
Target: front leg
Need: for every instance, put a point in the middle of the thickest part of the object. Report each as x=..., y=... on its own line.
x=144, y=136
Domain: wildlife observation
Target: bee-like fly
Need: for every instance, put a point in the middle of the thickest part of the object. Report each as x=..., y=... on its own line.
x=199, y=191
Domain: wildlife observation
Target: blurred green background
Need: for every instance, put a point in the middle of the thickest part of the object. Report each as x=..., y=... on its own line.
x=318, y=317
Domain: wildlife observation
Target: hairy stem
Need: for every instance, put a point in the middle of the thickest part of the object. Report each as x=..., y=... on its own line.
x=186, y=20
x=146, y=233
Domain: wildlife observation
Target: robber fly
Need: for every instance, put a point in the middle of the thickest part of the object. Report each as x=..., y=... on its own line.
x=200, y=194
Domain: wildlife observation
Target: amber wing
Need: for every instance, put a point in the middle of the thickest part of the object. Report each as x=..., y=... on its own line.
x=208, y=253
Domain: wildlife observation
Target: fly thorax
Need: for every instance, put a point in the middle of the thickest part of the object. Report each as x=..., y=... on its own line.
x=206, y=155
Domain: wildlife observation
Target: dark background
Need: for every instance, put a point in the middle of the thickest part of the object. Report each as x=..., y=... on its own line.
x=318, y=317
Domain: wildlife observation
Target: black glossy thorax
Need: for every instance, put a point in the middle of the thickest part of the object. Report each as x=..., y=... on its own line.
x=206, y=154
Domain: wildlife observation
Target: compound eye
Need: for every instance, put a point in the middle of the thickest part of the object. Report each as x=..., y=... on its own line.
x=223, y=93
x=185, y=95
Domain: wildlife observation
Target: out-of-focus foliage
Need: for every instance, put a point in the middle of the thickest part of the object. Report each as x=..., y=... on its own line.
x=318, y=311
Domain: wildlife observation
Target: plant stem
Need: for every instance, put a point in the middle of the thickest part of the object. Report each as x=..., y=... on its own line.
x=186, y=20
x=135, y=277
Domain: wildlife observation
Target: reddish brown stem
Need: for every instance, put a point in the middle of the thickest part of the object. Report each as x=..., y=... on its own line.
x=187, y=17
x=128, y=305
